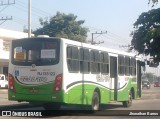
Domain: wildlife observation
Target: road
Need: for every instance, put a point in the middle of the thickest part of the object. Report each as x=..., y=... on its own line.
x=150, y=101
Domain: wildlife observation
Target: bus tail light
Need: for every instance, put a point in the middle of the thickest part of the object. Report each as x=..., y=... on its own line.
x=58, y=83
x=11, y=83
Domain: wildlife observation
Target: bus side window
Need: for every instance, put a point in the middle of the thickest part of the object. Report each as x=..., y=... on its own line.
x=69, y=56
x=95, y=61
x=73, y=58
x=69, y=65
x=84, y=60
x=132, y=66
x=121, y=65
x=127, y=60
x=104, y=62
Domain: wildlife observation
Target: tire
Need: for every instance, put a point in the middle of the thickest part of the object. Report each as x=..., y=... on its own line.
x=51, y=106
x=128, y=103
x=95, y=102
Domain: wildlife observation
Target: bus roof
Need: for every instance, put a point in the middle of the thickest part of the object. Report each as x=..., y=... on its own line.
x=109, y=50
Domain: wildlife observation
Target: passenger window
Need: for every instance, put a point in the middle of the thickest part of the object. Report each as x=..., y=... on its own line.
x=73, y=59
x=84, y=60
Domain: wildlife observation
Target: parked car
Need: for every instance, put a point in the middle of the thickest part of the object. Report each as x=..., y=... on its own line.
x=146, y=84
x=156, y=84
x=3, y=81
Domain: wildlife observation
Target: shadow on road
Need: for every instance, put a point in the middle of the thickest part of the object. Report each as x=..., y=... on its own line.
x=17, y=106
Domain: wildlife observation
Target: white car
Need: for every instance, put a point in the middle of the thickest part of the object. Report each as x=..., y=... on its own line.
x=3, y=81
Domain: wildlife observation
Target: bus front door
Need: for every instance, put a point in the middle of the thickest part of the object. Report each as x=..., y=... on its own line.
x=114, y=78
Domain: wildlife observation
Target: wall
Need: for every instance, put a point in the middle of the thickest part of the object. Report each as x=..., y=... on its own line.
x=5, y=38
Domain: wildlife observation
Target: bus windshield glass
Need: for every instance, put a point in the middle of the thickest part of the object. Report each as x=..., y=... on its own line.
x=35, y=51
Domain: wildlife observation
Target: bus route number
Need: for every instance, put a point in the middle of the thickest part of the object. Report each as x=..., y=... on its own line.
x=102, y=78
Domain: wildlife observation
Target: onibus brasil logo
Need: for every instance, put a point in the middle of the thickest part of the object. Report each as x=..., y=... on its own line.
x=22, y=113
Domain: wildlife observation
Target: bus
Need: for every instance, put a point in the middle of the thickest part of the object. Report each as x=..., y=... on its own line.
x=56, y=71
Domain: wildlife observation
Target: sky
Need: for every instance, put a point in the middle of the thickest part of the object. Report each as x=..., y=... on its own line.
x=114, y=16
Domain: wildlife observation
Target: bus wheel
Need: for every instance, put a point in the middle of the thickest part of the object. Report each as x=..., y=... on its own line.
x=128, y=103
x=95, y=101
x=51, y=106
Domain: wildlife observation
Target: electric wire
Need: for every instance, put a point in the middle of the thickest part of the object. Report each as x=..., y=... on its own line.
x=37, y=12
x=4, y=8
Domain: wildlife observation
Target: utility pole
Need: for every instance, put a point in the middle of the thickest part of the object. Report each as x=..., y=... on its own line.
x=5, y=19
x=29, y=18
x=92, y=42
x=6, y=3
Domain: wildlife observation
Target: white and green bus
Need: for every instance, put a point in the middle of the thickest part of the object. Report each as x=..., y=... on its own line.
x=57, y=71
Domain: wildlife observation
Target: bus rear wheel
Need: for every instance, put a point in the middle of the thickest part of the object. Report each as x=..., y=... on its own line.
x=128, y=103
x=95, y=101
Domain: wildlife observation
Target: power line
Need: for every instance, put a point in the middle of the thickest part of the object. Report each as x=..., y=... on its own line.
x=22, y=8
x=2, y=4
x=21, y=21
x=34, y=9
x=110, y=35
x=7, y=3
x=3, y=8
x=117, y=36
x=100, y=33
x=120, y=39
x=37, y=11
x=26, y=11
x=114, y=39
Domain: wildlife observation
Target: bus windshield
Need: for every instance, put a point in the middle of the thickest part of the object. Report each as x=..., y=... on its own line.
x=35, y=51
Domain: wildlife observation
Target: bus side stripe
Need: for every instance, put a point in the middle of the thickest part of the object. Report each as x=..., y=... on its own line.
x=80, y=82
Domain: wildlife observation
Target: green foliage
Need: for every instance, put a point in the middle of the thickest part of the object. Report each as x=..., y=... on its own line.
x=62, y=25
x=153, y=2
x=146, y=36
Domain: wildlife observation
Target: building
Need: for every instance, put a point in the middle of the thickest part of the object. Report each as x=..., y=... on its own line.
x=5, y=38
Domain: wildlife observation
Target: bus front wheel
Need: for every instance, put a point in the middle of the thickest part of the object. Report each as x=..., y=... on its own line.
x=95, y=101
x=128, y=103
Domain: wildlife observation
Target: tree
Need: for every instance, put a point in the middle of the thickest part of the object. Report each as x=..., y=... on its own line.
x=153, y=2
x=146, y=36
x=62, y=25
